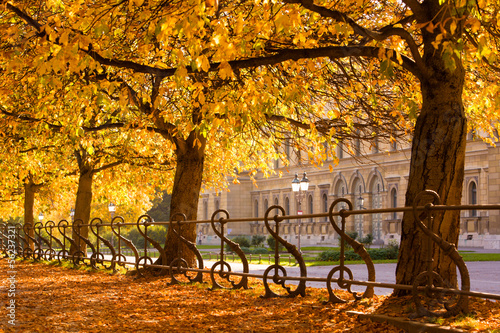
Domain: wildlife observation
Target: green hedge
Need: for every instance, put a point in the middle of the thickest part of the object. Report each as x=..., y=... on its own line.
x=390, y=252
x=255, y=250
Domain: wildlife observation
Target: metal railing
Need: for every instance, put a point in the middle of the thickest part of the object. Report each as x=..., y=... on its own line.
x=430, y=293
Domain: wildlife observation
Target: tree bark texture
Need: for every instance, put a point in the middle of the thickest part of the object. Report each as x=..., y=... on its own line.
x=82, y=209
x=437, y=163
x=29, y=201
x=185, y=196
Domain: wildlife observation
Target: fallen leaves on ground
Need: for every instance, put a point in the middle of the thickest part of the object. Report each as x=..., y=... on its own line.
x=56, y=299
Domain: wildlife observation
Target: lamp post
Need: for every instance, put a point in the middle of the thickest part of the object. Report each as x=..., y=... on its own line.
x=112, y=209
x=300, y=187
x=361, y=201
x=40, y=219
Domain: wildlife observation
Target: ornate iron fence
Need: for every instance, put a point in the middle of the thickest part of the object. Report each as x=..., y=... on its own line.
x=64, y=241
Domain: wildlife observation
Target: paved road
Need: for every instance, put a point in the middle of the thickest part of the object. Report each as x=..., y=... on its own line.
x=484, y=275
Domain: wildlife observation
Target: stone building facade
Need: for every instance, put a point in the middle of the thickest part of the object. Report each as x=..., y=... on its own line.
x=377, y=178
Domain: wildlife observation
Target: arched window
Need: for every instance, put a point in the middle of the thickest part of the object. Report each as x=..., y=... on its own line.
x=277, y=211
x=358, y=204
x=256, y=208
x=205, y=210
x=217, y=206
x=340, y=189
x=357, y=147
x=310, y=206
x=340, y=150
x=394, y=202
x=394, y=145
x=324, y=199
x=287, y=149
x=375, y=147
x=473, y=197
x=287, y=207
x=376, y=204
x=266, y=205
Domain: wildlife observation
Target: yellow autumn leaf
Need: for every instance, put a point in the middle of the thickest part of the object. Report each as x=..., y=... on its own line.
x=225, y=70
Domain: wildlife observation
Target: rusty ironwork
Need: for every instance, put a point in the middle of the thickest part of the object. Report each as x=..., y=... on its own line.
x=432, y=294
x=98, y=256
x=342, y=282
x=39, y=251
x=64, y=254
x=437, y=303
x=223, y=264
x=119, y=257
x=28, y=251
x=19, y=238
x=180, y=265
x=146, y=221
x=277, y=268
x=79, y=256
x=49, y=228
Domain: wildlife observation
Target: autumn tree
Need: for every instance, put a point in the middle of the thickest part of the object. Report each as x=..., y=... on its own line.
x=445, y=46
x=182, y=77
x=77, y=144
x=194, y=68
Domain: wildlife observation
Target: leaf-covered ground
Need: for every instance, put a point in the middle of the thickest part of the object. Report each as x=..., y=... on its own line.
x=57, y=299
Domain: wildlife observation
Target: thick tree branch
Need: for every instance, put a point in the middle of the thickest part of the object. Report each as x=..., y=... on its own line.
x=381, y=35
x=107, y=166
x=278, y=57
x=107, y=125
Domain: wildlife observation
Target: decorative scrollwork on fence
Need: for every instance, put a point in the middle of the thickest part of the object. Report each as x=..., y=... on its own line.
x=235, y=247
x=437, y=303
x=146, y=222
x=432, y=294
x=39, y=253
x=49, y=228
x=19, y=238
x=98, y=256
x=64, y=253
x=341, y=268
x=28, y=251
x=177, y=263
x=79, y=256
x=277, y=268
x=120, y=258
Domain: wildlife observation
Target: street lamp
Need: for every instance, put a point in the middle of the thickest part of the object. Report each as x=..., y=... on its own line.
x=300, y=187
x=40, y=219
x=112, y=209
x=359, y=223
x=361, y=201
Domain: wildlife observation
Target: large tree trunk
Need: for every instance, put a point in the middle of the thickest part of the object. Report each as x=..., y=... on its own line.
x=82, y=208
x=437, y=163
x=185, y=196
x=29, y=201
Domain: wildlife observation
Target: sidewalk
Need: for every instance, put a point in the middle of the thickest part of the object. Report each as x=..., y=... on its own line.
x=479, y=250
